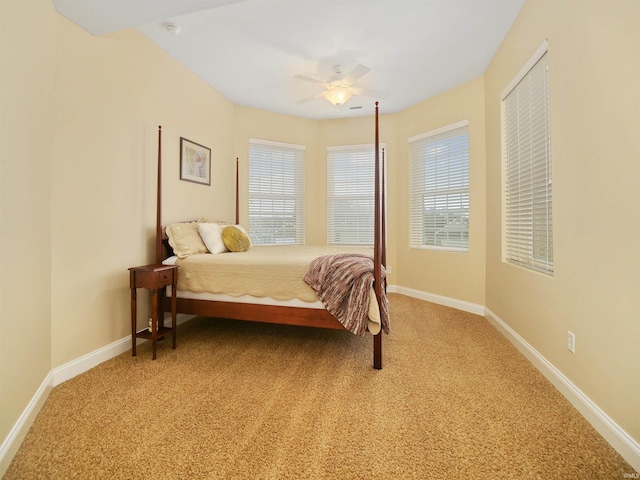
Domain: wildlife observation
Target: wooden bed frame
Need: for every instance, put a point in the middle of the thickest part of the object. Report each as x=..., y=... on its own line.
x=309, y=317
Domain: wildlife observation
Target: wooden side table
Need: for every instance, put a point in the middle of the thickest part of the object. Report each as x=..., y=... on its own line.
x=153, y=277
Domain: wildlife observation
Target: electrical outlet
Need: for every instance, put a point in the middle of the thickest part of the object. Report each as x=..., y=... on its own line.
x=388, y=268
x=571, y=342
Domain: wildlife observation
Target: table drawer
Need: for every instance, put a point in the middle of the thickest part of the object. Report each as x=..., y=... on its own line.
x=154, y=280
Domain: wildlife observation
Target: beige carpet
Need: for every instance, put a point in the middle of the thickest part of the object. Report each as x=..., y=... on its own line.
x=242, y=400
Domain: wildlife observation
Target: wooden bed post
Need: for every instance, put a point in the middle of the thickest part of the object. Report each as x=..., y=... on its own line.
x=377, y=247
x=237, y=195
x=159, y=201
x=383, y=214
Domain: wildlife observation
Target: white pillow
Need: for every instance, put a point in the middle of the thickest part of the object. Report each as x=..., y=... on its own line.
x=211, y=234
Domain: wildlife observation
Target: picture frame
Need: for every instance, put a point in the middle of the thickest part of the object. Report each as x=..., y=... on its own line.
x=195, y=162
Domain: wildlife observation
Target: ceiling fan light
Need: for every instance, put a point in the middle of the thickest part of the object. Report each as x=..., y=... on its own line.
x=337, y=96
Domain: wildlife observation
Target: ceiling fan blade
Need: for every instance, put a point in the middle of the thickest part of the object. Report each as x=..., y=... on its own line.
x=355, y=74
x=369, y=93
x=308, y=99
x=310, y=79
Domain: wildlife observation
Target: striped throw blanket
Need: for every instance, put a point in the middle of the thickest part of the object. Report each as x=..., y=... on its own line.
x=343, y=282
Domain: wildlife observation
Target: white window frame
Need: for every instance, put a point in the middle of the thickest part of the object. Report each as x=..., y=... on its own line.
x=351, y=194
x=276, y=193
x=527, y=230
x=439, y=189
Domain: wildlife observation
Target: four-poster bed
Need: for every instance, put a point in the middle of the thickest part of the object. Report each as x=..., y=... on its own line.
x=283, y=313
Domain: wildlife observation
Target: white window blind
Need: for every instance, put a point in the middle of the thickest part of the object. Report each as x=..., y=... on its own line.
x=351, y=194
x=528, y=233
x=276, y=192
x=439, y=188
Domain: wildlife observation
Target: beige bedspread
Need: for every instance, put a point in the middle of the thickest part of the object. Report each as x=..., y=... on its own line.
x=262, y=271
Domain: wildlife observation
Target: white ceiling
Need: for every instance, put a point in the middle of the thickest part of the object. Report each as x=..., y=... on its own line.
x=251, y=50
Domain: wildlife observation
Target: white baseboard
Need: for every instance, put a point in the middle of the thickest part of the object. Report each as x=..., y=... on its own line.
x=80, y=365
x=439, y=299
x=12, y=442
x=620, y=440
x=55, y=377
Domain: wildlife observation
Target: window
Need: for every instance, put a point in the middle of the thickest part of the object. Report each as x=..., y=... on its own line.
x=439, y=189
x=527, y=230
x=351, y=194
x=276, y=193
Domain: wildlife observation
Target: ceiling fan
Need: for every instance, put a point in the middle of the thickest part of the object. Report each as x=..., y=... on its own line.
x=339, y=88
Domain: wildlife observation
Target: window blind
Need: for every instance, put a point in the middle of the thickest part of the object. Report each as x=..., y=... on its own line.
x=528, y=233
x=351, y=194
x=439, y=188
x=276, y=192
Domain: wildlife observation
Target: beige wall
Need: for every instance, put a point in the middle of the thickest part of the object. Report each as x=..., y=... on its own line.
x=112, y=92
x=26, y=137
x=78, y=184
x=460, y=276
x=81, y=114
x=594, y=68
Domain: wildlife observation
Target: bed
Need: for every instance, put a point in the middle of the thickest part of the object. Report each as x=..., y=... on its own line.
x=306, y=267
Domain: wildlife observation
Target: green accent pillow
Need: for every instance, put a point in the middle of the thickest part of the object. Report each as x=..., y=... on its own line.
x=235, y=239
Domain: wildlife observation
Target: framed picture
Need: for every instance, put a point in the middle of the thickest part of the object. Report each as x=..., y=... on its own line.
x=195, y=162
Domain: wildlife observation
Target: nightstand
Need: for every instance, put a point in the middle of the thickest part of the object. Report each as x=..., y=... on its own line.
x=153, y=277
